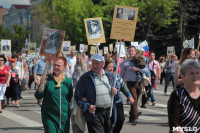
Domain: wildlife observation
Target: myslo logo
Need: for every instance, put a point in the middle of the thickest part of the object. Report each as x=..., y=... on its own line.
x=188, y=129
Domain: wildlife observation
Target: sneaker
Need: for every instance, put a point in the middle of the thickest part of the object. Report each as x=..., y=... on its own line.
x=12, y=102
x=153, y=104
x=131, y=120
x=17, y=106
x=147, y=102
x=135, y=122
x=143, y=106
x=0, y=111
x=139, y=114
x=3, y=107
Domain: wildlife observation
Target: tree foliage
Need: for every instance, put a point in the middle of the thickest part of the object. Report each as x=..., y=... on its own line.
x=17, y=36
x=20, y=35
x=158, y=20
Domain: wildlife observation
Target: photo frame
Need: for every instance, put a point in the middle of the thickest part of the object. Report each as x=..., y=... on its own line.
x=5, y=46
x=105, y=50
x=73, y=47
x=111, y=47
x=124, y=23
x=86, y=48
x=81, y=48
x=93, y=50
x=66, y=47
x=51, y=43
x=170, y=50
x=31, y=48
x=94, y=30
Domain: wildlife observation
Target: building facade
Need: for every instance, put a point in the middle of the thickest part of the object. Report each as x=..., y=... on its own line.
x=2, y=13
x=17, y=15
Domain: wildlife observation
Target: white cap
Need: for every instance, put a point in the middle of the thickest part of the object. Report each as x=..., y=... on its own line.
x=98, y=57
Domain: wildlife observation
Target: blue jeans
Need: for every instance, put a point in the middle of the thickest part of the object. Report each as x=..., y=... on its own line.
x=169, y=77
x=150, y=92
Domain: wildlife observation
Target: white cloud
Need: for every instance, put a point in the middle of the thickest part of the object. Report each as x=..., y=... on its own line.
x=8, y=3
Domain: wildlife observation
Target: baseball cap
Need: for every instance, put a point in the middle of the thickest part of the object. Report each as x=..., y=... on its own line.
x=12, y=60
x=98, y=57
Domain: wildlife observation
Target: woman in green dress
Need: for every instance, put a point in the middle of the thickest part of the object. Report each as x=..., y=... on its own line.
x=55, y=107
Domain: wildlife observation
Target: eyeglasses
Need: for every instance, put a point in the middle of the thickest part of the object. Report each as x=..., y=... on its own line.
x=57, y=65
x=1, y=60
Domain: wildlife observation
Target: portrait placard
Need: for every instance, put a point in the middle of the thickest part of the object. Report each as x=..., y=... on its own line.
x=73, y=47
x=66, y=47
x=101, y=51
x=51, y=43
x=105, y=50
x=124, y=23
x=31, y=48
x=81, y=48
x=111, y=47
x=86, y=48
x=93, y=50
x=94, y=30
x=122, y=50
x=170, y=50
x=5, y=46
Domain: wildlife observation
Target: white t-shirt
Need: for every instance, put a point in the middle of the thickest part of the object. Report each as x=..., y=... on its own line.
x=72, y=61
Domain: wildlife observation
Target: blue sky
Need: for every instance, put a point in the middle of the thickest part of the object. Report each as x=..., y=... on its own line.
x=8, y=3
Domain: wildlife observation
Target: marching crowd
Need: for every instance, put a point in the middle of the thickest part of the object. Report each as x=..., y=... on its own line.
x=80, y=89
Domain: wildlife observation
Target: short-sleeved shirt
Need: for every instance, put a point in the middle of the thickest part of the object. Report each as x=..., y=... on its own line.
x=103, y=90
x=3, y=73
x=154, y=66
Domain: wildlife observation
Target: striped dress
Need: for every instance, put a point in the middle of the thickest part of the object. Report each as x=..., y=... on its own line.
x=189, y=114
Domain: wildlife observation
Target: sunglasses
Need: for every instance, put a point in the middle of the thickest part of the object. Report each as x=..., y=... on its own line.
x=1, y=60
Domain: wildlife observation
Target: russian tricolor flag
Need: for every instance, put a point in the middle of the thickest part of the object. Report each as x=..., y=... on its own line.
x=144, y=45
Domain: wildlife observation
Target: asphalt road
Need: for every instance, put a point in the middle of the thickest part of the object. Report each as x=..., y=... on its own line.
x=27, y=118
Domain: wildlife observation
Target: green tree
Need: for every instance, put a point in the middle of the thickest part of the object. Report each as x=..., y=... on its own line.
x=19, y=38
x=68, y=15
x=5, y=33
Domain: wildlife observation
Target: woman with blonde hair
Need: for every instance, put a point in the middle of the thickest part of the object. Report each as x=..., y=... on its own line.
x=77, y=118
x=79, y=69
x=188, y=53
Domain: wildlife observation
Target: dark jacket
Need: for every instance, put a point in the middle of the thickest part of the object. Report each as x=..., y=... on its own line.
x=86, y=87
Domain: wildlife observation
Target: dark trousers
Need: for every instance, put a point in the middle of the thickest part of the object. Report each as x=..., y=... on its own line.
x=162, y=77
x=120, y=118
x=135, y=91
x=169, y=77
x=102, y=123
x=30, y=81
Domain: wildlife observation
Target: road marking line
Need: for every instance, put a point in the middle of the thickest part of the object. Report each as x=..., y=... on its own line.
x=151, y=110
x=20, y=119
x=28, y=96
x=148, y=118
x=154, y=111
x=161, y=92
x=36, y=110
x=160, y=105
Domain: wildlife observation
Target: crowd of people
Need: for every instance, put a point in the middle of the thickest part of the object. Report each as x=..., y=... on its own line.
x=86, y=86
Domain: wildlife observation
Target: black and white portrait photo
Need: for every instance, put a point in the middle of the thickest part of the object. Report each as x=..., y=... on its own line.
x=32, y=47
x=119, y=13
x=66, y=46
x=52, y=43
x=5, y=45
x=125, y=13
x=94, y=29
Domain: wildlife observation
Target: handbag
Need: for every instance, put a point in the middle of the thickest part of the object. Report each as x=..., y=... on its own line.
x=153, y=75
x=23, y=85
